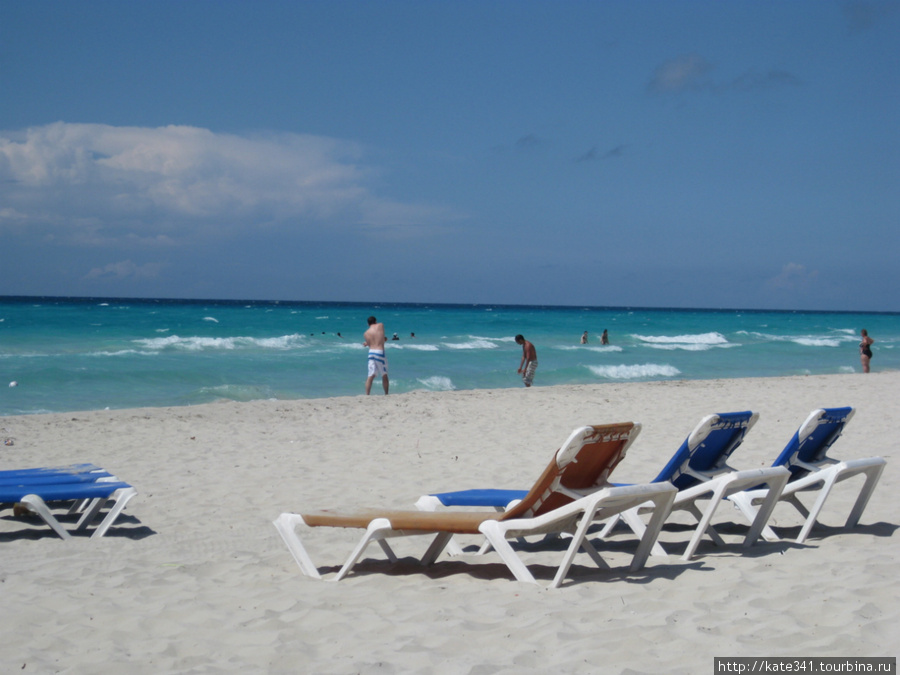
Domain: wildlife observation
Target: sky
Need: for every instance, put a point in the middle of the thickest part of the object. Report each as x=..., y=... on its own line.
x=670, y=153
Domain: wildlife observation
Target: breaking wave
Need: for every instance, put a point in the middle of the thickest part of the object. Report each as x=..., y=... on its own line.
x=438, y=383
x=634, y=372
x=203, y=343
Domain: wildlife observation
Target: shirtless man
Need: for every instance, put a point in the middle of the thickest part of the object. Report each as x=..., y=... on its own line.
x=374, y=340
x=529, y=363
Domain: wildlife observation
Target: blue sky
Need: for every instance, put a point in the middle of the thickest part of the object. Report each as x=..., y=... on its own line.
x=741, y=154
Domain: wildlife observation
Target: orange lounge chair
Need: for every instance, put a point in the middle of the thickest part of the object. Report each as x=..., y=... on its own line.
x=570, y=494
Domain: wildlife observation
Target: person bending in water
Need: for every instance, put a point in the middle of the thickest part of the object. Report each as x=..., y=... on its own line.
x=374, y=340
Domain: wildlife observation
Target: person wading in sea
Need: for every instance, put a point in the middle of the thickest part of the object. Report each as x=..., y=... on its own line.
x=529, y=363
x=374, y=340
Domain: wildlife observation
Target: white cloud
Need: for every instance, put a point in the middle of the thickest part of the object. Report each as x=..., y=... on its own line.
x=793, y=277
x=96, y=184
x=124, y=270
x=680, y=73
x=691, y=72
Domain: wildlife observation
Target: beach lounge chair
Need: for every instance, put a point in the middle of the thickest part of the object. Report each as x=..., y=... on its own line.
x=69, y=469
x=556, y=503
x=88, y=498
x=499, y=500
x=805, y=456
x=699, y=471
x=50, y=476
x=503, y=500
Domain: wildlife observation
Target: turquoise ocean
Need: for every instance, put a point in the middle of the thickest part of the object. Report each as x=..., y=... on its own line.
x=69, y=354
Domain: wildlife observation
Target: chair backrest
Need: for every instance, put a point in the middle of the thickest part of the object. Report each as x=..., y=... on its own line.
x=707, y=448
x=811, y=442
x=585, y=460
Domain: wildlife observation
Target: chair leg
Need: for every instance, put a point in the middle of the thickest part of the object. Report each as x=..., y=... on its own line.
x=704, y=522
x=374, y=532
x=497, y=536
x=757, y=524
x=286, y=525
x=609, y=526
x=594, y=553
x=743, y=501
x=37, y=506
x=663, y=506
x=632, y=518
x=90, y=512
x=78, y=506
x=432, y=503
x=578, y=541
x=437, y=545
x=486, y=544
x=873, y=473
x=387, y=550
x=484, y=548
x=122, y=497
x=817, y=507
x=695, y=511
x=794, y=500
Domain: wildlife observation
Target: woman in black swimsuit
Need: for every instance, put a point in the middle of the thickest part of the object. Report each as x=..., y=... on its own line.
x=865, y=351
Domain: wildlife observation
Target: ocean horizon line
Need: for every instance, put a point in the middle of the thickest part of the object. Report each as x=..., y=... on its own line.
x=90, y=299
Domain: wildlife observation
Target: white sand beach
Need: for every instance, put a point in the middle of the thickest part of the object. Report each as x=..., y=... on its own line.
x=194, y=577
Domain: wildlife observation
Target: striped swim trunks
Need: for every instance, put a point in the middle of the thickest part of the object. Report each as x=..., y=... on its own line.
x=377, y=362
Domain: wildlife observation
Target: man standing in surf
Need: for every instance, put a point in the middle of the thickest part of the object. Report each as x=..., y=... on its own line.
x=529, y=363
x=374, y=340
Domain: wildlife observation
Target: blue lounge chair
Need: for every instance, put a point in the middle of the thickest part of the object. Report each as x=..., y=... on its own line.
x=70, y=469
x=89, y=496
x=806, y=457
x=698, y=469
x=49, y=478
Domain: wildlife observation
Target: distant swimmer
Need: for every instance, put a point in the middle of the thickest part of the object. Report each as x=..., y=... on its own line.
x=396, y=337
x=374, y=340
x=584, y=338
x=604, y=339
x=865, y=349
x=529, y=363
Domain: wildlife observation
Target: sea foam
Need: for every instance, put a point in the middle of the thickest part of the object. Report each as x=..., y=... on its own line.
x=475, y=343
x=817, y=342
x=634, y=372
x=227, y=343
x=438, y=383
x=692, y=343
